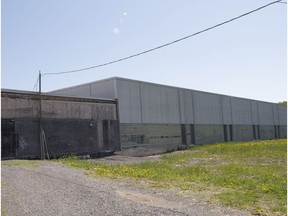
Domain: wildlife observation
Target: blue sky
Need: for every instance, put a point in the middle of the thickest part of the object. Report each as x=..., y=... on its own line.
x=246, y=58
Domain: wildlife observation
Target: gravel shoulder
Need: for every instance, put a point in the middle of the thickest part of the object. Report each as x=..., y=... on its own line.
x=51, y=188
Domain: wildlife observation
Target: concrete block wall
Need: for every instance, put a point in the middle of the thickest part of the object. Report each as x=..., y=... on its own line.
x=267, y=132
x=208, y=134
x=283, y=131
x=242, y=132
x=138, y=135
x=15, y=105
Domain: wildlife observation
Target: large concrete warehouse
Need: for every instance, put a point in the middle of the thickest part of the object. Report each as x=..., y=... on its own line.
x=153, y=115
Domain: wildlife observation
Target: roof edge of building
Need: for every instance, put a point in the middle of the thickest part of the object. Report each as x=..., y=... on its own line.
x=47, y=95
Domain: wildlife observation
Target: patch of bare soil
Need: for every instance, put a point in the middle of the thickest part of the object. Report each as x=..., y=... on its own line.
x=147, y=199
x=120, y=159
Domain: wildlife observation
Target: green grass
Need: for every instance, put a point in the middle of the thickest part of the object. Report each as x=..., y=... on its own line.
x=245, y=175
x=3, y=212
x=19, y=163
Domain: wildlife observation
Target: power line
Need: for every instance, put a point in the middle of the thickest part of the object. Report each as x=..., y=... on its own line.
x=35, y=86
x=164, y=45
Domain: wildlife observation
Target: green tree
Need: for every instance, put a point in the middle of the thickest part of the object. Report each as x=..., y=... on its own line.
x=283, y=102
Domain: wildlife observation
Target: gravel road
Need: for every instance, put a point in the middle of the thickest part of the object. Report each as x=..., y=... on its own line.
x=52, y=188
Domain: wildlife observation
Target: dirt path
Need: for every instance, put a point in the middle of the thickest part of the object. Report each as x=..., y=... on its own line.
x=54, y=189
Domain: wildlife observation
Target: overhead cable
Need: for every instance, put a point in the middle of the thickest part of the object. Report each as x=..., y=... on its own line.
x=164, y=45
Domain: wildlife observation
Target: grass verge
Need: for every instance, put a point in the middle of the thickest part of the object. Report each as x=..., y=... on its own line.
x=245, y=175
x=19, y=163
x=3, y=212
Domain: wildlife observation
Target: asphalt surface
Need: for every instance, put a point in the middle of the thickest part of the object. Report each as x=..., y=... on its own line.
x=52, y=188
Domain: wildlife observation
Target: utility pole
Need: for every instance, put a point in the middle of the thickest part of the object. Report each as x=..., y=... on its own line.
x=40, y=120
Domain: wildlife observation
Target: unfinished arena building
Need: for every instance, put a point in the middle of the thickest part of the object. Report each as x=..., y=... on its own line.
x=158, y=115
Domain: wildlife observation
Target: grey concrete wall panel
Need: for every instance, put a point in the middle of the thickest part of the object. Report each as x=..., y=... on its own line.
x=75, y=110
x=282, y=114
x=139, y=135
x=159, y=104
x=99, y=89
x=265, y=113
x=18, y=107
x=205, y=134
x=207, y=108
x=102, y=111
x=103, y=89
x=241, y=111
x=77, y=91
x=242, y=132
x=186, y=106
x=129, y=101
x=267, y=132
x=226, y=110
x=25, y=107
x=255, y=114
x=275, y=114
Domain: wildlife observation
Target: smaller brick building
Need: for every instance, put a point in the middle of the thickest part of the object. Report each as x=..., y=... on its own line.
x=71, y=125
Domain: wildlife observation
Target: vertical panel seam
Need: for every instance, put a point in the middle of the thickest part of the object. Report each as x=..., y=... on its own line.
x=140, y=98
x=221, y=108
x=231, y=111
x=179, y=107
x=115, y=88
x=278, y=114
x=193, y=107
x=251, y=112
x=258, y=113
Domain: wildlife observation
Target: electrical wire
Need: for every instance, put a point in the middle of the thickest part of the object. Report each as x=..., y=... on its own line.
x=161, y=46
x=35, y=86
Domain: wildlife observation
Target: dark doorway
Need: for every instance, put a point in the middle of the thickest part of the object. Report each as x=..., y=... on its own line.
x=9, y=139
x=258, y=132
x=276, y=131
x=255, y=134
x=225, y=128
x=231, y=133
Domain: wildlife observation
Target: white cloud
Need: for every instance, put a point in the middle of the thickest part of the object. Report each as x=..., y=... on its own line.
x=116, y=30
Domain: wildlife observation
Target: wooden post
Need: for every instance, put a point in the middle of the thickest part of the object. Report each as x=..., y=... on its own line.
x=40, y=120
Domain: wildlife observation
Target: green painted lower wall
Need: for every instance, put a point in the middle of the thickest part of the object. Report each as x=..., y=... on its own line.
x=208, y=134
x=242, y=132
x=137, y=135
x=283, y=131
x=171, y=135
